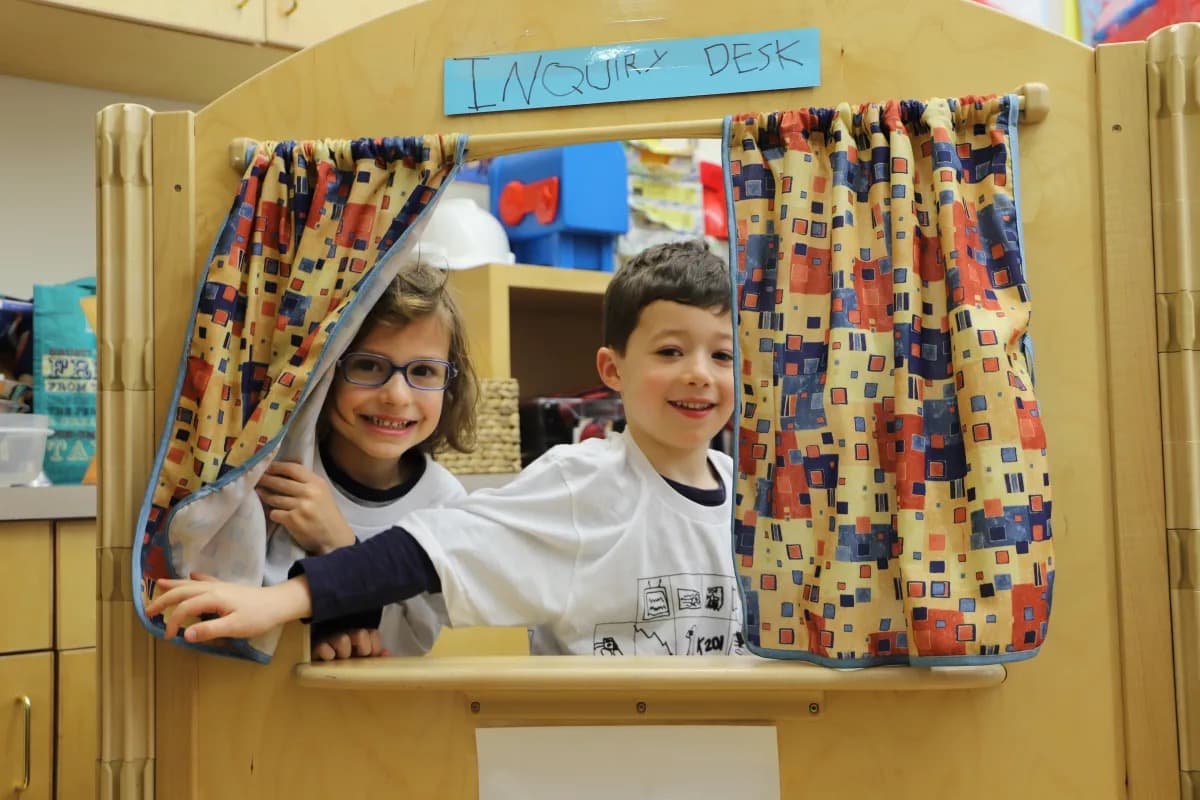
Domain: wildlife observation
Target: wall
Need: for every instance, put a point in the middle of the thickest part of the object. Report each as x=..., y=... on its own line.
x=48, y=201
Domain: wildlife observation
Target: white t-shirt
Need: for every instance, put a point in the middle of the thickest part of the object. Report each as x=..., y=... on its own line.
x=409, y=628
x=596, y=550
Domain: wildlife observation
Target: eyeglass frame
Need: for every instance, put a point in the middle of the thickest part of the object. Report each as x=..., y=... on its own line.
x=451, y=371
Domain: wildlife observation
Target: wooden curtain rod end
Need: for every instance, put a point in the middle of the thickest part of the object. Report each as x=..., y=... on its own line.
x=1035, y=103
x=239, y=153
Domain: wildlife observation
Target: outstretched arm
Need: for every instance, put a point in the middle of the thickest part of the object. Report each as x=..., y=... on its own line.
x=387, y=568
x=242, y=611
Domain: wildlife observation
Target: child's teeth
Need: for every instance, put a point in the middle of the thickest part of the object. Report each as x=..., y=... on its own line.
x=383, y=423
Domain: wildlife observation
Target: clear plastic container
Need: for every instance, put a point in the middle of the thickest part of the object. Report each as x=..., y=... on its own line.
x=22, y=447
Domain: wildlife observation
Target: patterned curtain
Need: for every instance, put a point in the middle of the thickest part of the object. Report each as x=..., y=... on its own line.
x=893, y=499
x=300, y=260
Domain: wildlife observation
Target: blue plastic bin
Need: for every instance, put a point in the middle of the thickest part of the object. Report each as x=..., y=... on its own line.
x=563, y=206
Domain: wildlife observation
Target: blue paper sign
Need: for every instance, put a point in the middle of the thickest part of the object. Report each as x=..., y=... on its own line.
x=618, y=73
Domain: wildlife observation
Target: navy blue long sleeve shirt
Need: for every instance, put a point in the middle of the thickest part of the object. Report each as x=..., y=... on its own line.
x=351, y=585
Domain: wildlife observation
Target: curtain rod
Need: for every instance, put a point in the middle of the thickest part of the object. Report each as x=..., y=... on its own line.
x=1034, y=105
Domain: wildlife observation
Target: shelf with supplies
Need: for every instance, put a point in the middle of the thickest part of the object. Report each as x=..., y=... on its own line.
x=539, y=325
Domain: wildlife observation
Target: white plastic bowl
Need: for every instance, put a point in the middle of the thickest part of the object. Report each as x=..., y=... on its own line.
x=22, y=447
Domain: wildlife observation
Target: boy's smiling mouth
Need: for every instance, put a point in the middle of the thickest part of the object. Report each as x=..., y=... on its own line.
x=692, y=408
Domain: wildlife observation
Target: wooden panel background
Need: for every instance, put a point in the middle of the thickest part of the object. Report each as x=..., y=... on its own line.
x=1054, y=729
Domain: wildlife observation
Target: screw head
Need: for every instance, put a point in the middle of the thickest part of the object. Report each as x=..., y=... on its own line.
x=814, y=708
x=641, y=707
x=475, y=706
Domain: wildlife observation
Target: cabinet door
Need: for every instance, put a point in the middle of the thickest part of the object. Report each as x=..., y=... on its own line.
x=230, y=19
x=26, y=586
x=300, y=23
x=78, y=746
x=75, y=584
x=30, y=675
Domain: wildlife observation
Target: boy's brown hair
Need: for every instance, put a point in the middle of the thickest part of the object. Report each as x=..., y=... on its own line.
x=682, y=272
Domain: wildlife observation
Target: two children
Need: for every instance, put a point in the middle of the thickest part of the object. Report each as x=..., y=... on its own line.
x=618, y=546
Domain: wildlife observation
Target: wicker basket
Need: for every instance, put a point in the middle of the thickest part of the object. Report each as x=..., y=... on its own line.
x=498, y=440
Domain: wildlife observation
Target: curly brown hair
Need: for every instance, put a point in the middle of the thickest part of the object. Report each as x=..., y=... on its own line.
x=417, y=291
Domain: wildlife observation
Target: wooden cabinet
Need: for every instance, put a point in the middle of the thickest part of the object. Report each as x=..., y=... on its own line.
x=184, y=53
x=26, y=586
x=290, y=24
x=77, y=728
x=75, y=584
x=300, y=23
x=48, y=645
x=190, y=50
x=241, y=20
x=26, y=729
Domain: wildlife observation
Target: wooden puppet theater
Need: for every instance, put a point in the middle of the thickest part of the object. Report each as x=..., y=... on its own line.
x=1103, y=711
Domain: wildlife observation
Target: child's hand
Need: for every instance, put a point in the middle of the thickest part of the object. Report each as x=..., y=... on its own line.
x=304, y=504
x=357, y=643
x=244, y=611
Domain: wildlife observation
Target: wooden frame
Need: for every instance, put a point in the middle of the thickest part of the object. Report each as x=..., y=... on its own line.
x=1171, y=56
x=1092, y=716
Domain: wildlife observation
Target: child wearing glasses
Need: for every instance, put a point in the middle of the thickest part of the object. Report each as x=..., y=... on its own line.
x=403, y=389
x=617, y=546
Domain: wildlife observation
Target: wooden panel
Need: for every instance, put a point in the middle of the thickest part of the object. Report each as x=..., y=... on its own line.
x=176, y=692
x=30, y=675
x=243, y=20
x=1151, y=752
x=1171, y=64
x=1037, y=735
x=482, y=298
x=395, y=744
x=170, y=691
x=26, y=586
x=77, y=736
x=75, y=584
x=301, y=23
x=125, y=402
x=481, y=642
x=174, y=244
x=552, y=279
x=591, y=707
x=657, y=675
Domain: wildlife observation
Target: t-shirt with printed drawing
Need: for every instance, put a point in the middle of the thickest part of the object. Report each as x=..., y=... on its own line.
x=594, y=549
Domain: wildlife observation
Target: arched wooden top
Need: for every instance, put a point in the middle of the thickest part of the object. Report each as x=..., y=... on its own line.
x=385, y=77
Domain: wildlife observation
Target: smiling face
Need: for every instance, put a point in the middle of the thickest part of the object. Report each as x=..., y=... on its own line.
x=370, y=428
x=676, y=382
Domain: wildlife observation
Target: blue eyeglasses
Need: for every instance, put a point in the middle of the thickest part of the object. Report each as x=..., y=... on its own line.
x=368, y=369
